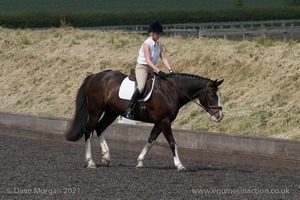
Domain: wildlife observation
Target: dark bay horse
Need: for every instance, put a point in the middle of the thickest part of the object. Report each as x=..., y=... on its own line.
x=98, y=95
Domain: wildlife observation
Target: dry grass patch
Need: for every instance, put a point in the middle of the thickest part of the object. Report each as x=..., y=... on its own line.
x=41, y=72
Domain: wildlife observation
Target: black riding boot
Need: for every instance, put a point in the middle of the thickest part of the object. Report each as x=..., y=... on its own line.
x=129, y=111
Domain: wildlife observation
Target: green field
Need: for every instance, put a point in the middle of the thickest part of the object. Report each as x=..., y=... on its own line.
x=94, y=13
x=126, y=5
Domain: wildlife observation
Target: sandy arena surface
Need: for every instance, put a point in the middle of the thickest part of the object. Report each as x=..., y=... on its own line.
x=35, y=169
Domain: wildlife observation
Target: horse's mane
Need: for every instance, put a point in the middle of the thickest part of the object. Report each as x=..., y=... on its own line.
x=188, y=76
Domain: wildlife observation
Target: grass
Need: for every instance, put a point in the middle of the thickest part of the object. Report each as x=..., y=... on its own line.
x=41, y=71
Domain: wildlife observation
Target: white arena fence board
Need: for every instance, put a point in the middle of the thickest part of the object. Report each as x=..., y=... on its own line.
x=284, y=29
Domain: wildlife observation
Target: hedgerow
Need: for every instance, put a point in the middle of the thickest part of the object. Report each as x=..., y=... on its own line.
x=44, y=19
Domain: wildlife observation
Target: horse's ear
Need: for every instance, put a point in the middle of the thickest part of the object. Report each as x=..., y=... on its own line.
x=219, y=82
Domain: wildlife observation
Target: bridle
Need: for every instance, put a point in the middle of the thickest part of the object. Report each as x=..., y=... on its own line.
x=207, y=107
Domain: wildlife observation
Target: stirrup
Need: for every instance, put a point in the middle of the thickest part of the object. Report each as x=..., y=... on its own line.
x=129, y=113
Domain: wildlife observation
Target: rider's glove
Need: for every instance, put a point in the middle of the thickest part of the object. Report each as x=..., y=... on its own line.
x=161, y=74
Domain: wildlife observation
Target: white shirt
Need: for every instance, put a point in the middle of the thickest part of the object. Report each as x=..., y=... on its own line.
x=154, y=52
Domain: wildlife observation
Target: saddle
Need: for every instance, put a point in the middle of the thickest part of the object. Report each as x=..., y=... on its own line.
x=129, y=85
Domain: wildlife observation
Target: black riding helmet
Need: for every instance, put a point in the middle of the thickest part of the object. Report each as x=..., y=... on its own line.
x=155, y=27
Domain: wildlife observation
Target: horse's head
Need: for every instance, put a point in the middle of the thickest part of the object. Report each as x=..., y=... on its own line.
x=211, y=100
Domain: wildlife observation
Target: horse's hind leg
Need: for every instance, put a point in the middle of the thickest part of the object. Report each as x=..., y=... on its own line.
x=105, y=151
x=153, y=136
x=93, y=119
x=107, y=119
x=88, y=152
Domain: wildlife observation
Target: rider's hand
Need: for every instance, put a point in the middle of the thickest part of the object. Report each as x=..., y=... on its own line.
x=171, y=71
x=161, y=74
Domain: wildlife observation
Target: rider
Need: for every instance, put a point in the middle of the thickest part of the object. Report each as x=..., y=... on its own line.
x=146, y=61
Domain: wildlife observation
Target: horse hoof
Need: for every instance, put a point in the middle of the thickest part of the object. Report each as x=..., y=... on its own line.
x=105, y=162
x=180, y=168
x=140, y=165
x=92, y=166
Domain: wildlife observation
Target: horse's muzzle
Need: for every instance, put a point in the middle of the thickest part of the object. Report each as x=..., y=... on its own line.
x=217, y=117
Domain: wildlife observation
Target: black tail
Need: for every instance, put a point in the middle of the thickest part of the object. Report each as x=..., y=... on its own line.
x=79, y=126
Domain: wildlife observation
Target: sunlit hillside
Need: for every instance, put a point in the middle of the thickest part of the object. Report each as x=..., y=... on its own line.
x=41, y=71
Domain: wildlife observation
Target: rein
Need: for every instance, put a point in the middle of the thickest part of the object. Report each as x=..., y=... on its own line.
x=193, y=100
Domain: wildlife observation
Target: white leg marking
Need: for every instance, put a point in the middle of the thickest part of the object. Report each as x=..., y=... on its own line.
x=177, y=162
x=105, y=150
x=88, y=154
x=143, y=154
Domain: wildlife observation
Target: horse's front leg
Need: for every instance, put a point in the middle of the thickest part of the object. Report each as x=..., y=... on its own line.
x=88, y=152
x=177, y=162
x=105, y=150
x=166, y=128
x=153, y=136
x=143, y=154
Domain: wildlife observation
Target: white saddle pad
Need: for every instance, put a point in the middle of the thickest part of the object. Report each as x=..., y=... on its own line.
x=128, y=87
